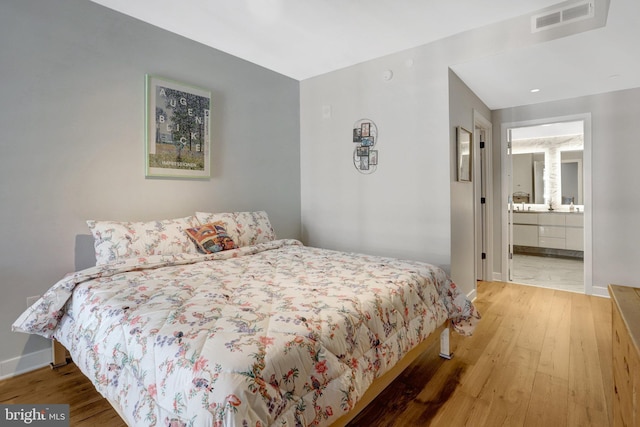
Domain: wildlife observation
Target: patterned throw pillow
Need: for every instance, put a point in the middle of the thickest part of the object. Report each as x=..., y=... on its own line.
x=245, y=228
x=227, y=219
x=212, y=237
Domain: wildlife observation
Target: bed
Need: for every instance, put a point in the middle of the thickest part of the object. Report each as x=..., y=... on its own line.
x=210, y=320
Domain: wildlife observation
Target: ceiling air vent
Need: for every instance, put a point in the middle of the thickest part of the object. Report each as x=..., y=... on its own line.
x=557, y=17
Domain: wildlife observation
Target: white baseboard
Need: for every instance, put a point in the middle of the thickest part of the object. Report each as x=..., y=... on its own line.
x=471, y=296
x=600, y=291
x=25, y=363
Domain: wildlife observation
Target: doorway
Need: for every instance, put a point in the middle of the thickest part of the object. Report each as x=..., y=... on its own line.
x=546, y=199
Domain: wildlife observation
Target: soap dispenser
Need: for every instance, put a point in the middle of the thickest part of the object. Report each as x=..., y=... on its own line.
x=571, y=206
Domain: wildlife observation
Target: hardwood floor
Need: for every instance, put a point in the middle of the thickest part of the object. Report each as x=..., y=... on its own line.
x=63, y=385
x=540, y=357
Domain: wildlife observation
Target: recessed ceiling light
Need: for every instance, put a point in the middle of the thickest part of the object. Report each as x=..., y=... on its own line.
x=535, y=90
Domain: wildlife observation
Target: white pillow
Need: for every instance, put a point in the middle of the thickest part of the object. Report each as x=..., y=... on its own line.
x=116, y=240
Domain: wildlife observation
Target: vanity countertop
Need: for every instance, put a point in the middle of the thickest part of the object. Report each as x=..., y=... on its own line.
x=547, y=212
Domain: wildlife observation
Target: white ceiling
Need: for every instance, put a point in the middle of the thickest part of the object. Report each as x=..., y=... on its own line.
x=596, y=61
x=306, y=38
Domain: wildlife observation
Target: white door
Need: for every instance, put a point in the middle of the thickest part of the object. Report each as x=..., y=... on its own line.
x=482, y=190
x=480, y=195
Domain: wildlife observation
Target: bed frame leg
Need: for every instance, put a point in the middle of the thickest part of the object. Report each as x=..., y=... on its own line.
x=60, y=354
x=446, y=350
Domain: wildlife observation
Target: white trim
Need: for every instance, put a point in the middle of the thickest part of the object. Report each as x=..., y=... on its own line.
x=482, y=122
x=504, y=200
x=471, y=296
x=25, y=363
x=599, y=291
x=588, y=204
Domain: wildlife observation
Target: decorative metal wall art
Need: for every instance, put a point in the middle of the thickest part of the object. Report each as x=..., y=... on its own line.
x=365, y=134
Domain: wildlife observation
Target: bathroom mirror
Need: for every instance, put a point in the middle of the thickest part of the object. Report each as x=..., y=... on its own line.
x=528, y=178
x=547, y=162
x=571, y=177
x=464, y=139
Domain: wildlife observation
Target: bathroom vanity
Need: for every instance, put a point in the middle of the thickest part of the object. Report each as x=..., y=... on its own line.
x=550, y=232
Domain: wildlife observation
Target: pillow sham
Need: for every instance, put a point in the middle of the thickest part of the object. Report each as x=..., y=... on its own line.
x=244, y=228
x=115, y=240
x=254, y=228
x=211, y=238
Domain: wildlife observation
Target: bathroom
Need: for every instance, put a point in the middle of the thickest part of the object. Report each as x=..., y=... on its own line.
x=547, y=204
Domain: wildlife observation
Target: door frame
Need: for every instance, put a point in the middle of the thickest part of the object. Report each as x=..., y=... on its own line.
x=483, y=187
x=588, y=204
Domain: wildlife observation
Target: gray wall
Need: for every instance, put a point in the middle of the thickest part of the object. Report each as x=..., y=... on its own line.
x=402, y=209
x=410, y=207
x=462, y=103
x=72, y=140
x=615, y=194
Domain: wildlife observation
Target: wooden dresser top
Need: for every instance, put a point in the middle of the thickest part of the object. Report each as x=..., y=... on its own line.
x=628, y=301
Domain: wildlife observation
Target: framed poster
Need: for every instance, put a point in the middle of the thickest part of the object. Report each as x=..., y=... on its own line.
x=178, y=129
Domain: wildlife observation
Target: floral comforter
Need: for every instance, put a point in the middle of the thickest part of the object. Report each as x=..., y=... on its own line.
x=271, y=334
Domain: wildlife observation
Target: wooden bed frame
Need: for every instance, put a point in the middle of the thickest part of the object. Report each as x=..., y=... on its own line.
x=61, y=357
x=379, y=384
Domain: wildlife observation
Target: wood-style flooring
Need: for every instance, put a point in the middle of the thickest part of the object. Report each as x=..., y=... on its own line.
x=540, y=357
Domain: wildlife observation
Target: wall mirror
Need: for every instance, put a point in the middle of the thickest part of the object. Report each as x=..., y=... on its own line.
x=464, y=139
x=571, y=177
x=547, y=163
x=528, y=178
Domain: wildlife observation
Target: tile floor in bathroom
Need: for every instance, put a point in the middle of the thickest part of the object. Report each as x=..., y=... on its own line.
x=548, y=272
